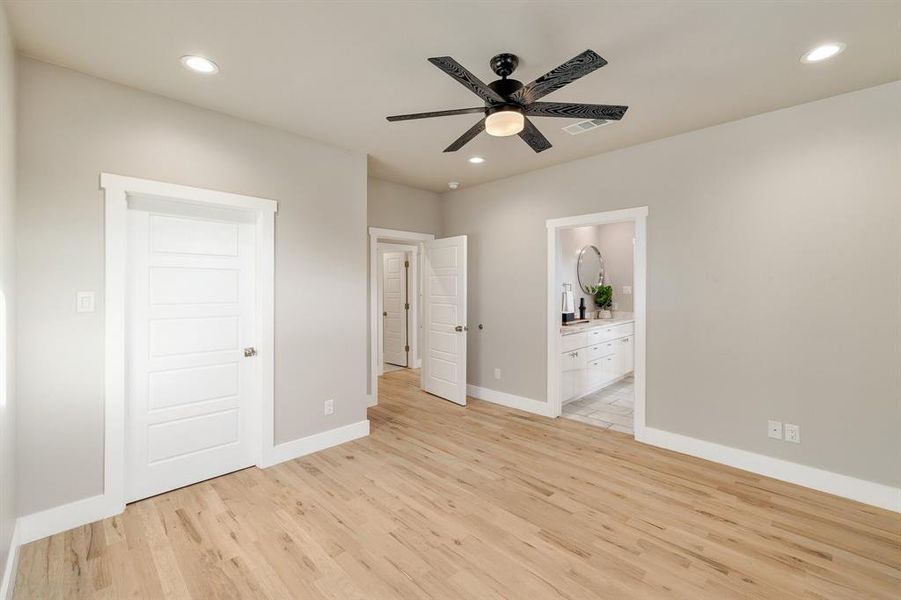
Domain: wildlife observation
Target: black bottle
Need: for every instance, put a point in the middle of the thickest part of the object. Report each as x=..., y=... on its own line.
x=581, y=308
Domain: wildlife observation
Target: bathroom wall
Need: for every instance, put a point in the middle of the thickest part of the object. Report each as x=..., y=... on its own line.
x=615, y=242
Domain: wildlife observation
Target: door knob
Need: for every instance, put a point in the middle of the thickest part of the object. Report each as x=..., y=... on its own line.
x=251, y=351
x=461, y=328
x=385, y=314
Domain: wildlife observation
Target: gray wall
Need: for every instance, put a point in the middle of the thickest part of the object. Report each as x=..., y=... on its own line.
x=72, y=127
x=396, y=206
x=774, y=277
x=7, y=289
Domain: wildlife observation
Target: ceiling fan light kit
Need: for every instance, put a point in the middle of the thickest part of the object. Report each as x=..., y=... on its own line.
x=508, y=103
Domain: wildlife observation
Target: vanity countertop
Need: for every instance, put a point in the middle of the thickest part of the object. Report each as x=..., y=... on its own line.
x=571, y=329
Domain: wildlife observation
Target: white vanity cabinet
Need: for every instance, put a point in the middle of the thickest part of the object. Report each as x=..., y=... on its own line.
x=593, y=357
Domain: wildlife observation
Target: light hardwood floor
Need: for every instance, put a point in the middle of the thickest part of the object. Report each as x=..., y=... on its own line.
x=479, y=503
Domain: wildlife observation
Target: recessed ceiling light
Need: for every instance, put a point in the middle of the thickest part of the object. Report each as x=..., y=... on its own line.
x=476, y=160
x=199, y=64
x=822, y=52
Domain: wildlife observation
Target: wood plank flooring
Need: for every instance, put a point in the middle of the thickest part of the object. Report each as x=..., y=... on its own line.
x=482, y=503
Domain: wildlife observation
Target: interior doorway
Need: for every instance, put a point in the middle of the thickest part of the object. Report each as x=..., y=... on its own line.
x=596, y=311
x=386, y=245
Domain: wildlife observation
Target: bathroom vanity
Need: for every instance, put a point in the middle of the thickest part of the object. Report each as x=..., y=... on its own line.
x=595, y=355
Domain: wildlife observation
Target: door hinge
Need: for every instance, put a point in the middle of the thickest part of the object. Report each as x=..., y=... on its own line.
x=406, y=306
x=407, y=264
x=406, y=348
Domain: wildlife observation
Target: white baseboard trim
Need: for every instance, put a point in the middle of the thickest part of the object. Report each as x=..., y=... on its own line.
x=8, y=583
x=54, y=520
x=868, y=492
x=509, y=400
x=315, y=443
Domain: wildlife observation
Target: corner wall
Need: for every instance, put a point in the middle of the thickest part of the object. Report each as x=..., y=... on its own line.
x=774, y=273
x=72, y=127
x=8, y=511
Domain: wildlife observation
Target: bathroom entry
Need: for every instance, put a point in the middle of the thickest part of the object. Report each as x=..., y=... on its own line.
x=596, y=284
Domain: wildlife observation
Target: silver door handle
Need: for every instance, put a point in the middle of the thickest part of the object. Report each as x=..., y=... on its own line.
x=461, y=328
x=251, y=351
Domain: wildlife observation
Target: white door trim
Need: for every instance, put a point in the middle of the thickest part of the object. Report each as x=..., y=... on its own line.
x=117, y=189
x=639, y=216
x=377, y=235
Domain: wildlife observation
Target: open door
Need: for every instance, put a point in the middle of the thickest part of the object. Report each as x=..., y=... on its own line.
x=395, y=308
x=444, y=319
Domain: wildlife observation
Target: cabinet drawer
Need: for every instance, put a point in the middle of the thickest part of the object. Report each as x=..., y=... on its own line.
x=600, y=349
x=600, y=334
x=573, y=341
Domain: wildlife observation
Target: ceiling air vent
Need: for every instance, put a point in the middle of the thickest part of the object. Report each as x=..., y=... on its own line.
x=583, y=126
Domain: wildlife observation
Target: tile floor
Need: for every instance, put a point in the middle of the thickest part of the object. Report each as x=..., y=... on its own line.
x=609, y=408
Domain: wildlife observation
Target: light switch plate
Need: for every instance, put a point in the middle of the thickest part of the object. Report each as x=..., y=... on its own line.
x=774, y=429
x=627, y=289
x=84, y=302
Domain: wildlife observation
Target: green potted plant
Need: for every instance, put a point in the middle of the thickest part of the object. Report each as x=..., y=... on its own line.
x=603, y=299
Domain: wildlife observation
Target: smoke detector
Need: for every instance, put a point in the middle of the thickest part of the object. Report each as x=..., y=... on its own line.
x=453, y=184
x=583, y=126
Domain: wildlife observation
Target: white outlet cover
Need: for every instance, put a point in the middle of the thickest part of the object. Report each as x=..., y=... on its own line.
x=627, y=289
x=774, y=429
x=793, y=433
x=329, y=407
x=497, y=373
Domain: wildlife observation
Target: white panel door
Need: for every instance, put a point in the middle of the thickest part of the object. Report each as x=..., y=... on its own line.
x=190, y=315
x=394, y=311
x=444, y=319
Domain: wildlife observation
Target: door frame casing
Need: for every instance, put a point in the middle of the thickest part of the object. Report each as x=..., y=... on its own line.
x=413, y=298
x=376, y=235
x=638, y=216
x=117, y=190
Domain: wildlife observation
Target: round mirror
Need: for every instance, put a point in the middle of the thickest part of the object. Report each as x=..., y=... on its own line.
x=590, y=268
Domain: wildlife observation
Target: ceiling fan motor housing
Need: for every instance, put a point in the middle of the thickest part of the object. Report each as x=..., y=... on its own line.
x=506, y=88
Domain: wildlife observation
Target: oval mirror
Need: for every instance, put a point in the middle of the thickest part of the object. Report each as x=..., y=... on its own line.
x=590, y=268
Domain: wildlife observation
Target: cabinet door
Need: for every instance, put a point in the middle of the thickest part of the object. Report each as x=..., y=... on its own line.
x=567, y=376
x=625, y=356
x=580, y=374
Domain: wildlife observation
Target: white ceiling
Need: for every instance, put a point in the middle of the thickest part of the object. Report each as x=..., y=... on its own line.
x=332, y=71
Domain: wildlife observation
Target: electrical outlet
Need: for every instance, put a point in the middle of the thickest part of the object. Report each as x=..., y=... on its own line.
x=84, y=302
x=329, y=407
x=627, y=289
x=793, y=433
x=497, y=373
x=774, y=429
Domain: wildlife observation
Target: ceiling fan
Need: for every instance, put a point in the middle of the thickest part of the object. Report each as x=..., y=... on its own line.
x=509, y=103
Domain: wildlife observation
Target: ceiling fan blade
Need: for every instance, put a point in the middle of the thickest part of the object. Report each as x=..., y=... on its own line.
x=438, y=113
x=534, y=138
x=568, y=72
x=466, y=137
x=476, y=85
x=569, y=110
